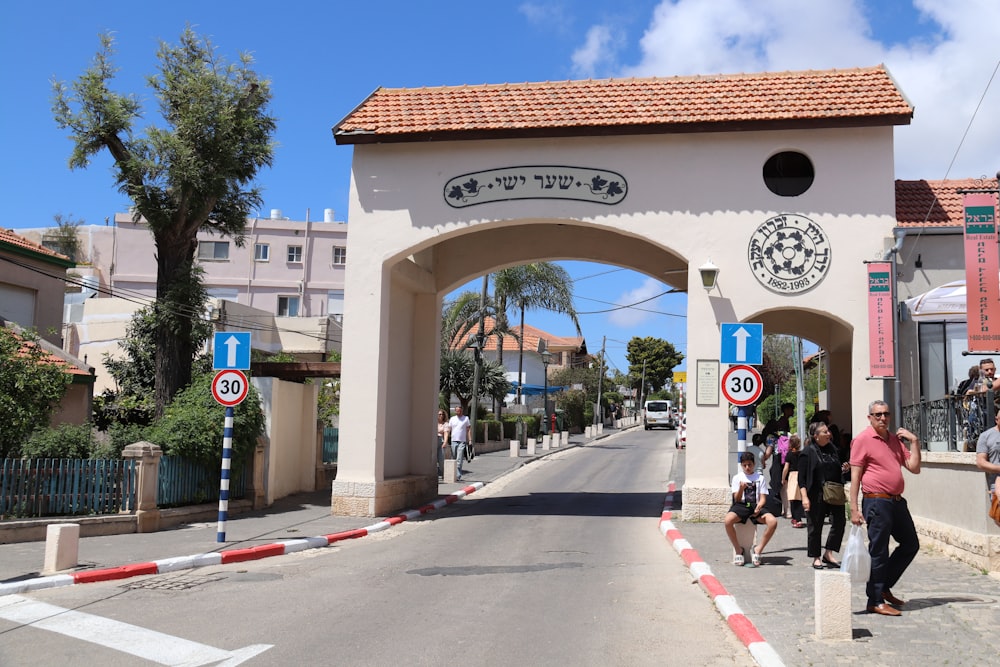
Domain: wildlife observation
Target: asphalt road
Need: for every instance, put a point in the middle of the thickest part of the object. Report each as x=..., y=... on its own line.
x=559, y=563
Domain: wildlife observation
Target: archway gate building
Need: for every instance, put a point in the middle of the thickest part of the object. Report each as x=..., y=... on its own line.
x=783, y=180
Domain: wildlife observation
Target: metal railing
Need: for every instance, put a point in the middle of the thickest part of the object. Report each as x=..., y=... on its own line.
x=952, y=423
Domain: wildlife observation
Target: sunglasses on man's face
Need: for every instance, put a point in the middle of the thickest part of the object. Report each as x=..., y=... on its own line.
x=879, y=415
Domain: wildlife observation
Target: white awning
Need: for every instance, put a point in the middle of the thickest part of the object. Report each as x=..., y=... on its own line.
x=941, y=304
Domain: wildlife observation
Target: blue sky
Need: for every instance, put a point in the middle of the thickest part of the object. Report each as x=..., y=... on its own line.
x=324, y=58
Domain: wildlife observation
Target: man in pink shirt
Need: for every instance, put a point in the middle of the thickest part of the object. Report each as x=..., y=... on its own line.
x=877, y=460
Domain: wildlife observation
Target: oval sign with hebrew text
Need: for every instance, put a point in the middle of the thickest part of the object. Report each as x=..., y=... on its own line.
x=598, y=186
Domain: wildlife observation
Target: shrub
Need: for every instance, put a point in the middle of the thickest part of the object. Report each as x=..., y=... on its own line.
x=66, y=441
x=193, y=425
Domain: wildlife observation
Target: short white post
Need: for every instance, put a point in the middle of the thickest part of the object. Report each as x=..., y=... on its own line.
x=515, y=448
x=546, y=442
x=746, y=535
x=450, y=474
x=833, y=605
x=62, y=547
x=565, y=438
x=600, y=429
x=531, y=446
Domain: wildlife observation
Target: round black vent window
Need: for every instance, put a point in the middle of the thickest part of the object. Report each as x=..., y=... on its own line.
x=788, y=174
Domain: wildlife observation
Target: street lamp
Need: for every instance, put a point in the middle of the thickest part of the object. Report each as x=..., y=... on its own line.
x=709, y=275
x=546, y=360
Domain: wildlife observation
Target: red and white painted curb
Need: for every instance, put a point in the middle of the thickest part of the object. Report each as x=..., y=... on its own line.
x=230, y=556
x=762, y=652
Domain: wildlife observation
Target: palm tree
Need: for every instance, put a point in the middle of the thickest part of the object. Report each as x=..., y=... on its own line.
x=460, y=318
x=456, y=378
x=542, y=286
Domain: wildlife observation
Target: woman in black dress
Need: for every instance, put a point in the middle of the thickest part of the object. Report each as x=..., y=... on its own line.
x=820, y=462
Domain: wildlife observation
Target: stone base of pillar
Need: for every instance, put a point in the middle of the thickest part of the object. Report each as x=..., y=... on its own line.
x=371, y=498
x=147, y=521
x=706, y=503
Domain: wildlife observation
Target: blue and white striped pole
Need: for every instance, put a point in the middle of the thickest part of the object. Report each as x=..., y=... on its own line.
x=227, y=459
x=741, y=431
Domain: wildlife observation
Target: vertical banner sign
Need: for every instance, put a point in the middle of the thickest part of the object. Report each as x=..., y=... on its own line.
x=982, y=264
x=882, y=363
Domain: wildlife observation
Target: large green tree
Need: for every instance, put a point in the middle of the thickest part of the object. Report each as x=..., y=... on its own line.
x=192, y=170
x=660, y=358
x=30, y=387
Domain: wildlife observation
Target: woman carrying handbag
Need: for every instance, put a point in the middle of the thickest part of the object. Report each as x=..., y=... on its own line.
x=822, y=492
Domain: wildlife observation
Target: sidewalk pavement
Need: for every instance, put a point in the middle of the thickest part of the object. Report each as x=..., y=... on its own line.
x=951, y=617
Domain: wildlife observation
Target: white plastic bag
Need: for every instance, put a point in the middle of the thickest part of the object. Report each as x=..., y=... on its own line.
x=856, y=560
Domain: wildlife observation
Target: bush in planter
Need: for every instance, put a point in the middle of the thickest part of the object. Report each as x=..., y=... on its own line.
x=491, y=426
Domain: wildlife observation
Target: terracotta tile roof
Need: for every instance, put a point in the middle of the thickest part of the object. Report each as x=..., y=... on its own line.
x=532, y=336
x=47, y=357
x=725, y=102
x=934, y=203
x=17, y=242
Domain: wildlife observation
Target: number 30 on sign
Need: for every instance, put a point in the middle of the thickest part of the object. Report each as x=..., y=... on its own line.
x=230, y=387
x=741, y=385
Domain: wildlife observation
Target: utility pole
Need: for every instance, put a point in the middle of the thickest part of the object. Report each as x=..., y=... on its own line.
x=598, y=417
x=478, y=353
x=642, y=387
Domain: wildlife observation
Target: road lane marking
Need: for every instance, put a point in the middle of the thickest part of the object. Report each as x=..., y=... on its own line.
x=148, y=644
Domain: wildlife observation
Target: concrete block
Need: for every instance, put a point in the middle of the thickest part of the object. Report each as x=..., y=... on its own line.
x=600, y=429
x=515, y=448
x=62, y=547
x=531, y=446
x=833, y=605
x=450, y=473
x=746, y=534
x=564, y=440
x=546, y=442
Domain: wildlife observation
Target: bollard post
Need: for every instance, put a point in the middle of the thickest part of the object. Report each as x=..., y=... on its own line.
x=546, y=442
x=450, y=474
x=531, y=446
x=62, y=547
x=565, y=438
x=833, y=605
x=515, y=448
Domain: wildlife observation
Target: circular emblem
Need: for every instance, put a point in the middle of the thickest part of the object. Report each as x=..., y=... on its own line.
x=789, y=253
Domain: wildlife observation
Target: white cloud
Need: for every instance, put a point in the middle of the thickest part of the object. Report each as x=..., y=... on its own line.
x=944, y=71
x=632, y=317
x=598, y=48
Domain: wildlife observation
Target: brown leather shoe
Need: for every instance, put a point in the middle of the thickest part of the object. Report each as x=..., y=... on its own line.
x=885, y=610
x=892, y=599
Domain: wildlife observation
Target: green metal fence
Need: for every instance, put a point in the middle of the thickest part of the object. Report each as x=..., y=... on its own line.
x=61, y=487
x=184, y=482
x=331, y=442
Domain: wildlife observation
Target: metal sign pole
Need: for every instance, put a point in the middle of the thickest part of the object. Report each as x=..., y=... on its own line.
x=227, y=458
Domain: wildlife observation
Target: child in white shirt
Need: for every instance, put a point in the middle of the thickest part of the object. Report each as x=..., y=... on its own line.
x=749, y=497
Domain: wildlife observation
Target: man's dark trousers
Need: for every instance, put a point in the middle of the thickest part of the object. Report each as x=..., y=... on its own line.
x=887, y=517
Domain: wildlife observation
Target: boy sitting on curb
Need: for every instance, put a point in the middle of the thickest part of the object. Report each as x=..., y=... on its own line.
x=749, y=496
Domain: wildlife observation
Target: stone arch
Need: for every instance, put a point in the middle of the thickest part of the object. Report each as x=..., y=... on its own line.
x=688, y=188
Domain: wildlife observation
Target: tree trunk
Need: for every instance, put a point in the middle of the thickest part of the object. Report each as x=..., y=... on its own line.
x=520, y=359
x=173, y=318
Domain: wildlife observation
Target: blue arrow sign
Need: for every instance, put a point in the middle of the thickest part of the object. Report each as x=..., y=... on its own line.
x=231, y=350
x=742, y=343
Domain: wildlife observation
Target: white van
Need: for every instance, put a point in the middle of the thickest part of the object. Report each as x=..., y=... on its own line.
x=659, y=413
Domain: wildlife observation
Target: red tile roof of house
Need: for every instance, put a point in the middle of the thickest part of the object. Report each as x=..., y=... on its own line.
x=935, y=203
x=47, y=357
x=17, y=242
x=532, y=336
x=725, y=102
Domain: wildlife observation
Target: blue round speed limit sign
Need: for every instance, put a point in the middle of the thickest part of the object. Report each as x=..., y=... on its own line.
x=742, y=385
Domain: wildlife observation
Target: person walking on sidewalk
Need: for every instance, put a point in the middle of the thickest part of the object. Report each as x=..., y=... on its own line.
x=877, y=459
x=444, y=439
x=790, y=480
x=460, y=428
x=819, y=464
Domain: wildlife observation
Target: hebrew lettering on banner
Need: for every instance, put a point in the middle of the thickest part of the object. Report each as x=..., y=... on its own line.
x=882, y=360
x=982, y=266
x=586, y=184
